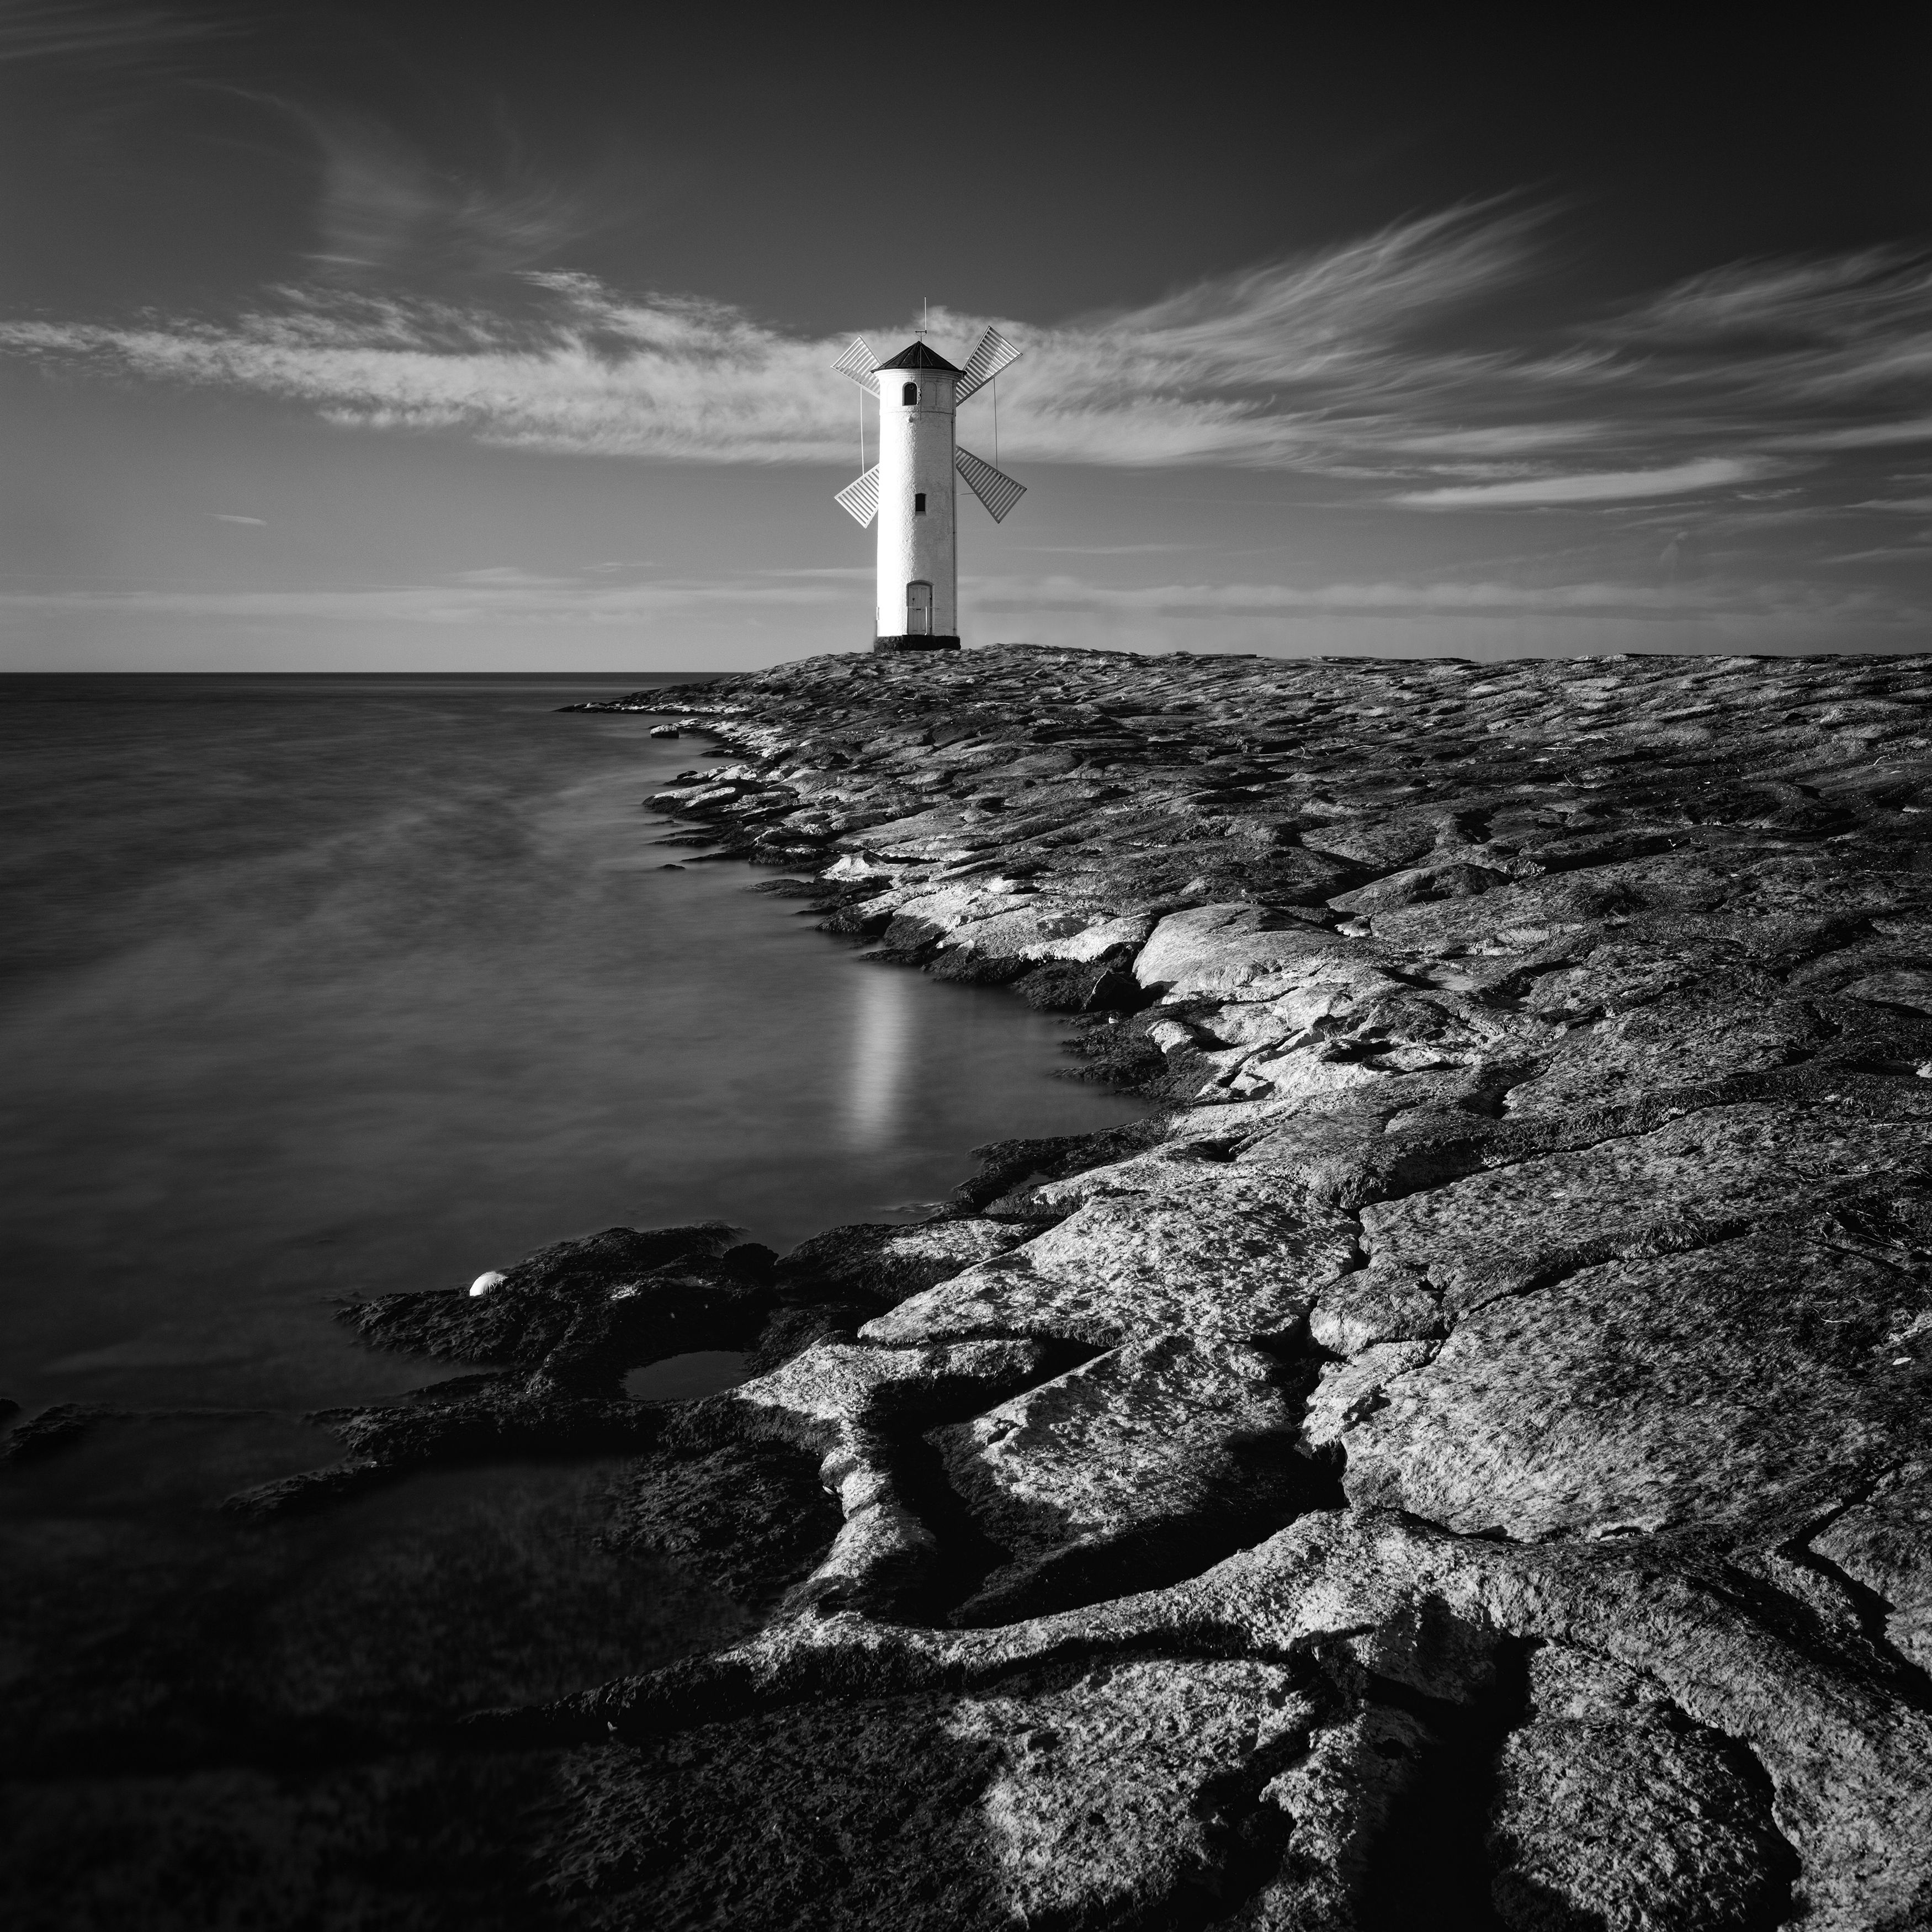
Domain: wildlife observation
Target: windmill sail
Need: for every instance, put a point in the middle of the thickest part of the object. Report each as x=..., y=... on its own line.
x=857, y=363
x=994, y=487
x=993, y=354
x=859, y=499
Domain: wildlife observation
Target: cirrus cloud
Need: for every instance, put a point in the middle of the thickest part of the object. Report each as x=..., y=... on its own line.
x=1389, y=366
x=1590, y=486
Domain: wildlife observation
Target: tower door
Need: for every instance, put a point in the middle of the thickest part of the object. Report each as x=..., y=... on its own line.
x=919, y=608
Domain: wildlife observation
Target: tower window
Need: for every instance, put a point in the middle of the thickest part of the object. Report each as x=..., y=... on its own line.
x=910, y=393
x=919, y=502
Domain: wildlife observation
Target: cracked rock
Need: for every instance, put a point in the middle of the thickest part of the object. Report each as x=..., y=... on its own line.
x=1884, y=1545
x=1148, y=1459
x=1706, y=1388
x=1614, y=1809
x=1133, y=1266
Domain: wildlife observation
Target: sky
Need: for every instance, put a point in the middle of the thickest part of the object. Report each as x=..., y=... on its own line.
x=397, y=336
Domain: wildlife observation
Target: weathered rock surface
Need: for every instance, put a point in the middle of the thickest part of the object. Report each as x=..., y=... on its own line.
x=854, y=1407
x=1614, y=1809
x=1719, y=1388
x=1377, y=1611
x=1121, y=1798
x=1884, y=1546
x=1132, y=1267
x=1137, y=1462
x=1546, y=1159
x=1462, y=1460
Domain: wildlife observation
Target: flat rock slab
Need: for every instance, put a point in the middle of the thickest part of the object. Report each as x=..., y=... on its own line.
x=889, y=1260
x=1156, y=1456
x=1234, y=951
x=1718, y=1171
x=1711, y=1388
x=1613, y=1809
x=1132, y=1268
x=1688, y=1036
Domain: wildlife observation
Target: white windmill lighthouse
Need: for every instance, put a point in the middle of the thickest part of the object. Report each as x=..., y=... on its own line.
x=909, y=489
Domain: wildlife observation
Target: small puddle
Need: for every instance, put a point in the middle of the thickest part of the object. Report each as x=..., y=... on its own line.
x=685, y=1378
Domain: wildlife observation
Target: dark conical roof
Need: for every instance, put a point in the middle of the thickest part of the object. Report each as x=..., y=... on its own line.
x=920, y=357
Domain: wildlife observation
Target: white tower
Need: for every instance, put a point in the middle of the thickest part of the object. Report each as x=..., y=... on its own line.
x=909, y=490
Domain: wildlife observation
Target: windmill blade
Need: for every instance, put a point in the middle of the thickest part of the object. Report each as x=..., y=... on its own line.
x=994, y=487
x=859, y=499
x=857, y=363
x=993, y=354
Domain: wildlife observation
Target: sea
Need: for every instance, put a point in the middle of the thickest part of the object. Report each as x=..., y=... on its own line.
x=313, y=988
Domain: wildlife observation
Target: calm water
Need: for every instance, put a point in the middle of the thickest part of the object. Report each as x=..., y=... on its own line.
x=315, y=989
x=323, y=987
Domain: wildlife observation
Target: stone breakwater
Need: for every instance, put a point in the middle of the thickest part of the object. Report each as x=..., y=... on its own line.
x=1465, y=1459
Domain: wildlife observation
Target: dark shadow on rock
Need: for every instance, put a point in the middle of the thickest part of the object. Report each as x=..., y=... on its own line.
x=483, y=1419
x=1432, y=1866
x=1201, y=1491
x=967, y=1555
x=1048, y=1567
x=1115, y=1054
x=1610, y=1804
x=792, y=1329
x=65, y=1425
x=858, y=1817
x=412, y=1843
x=189, y=1642
x=1102, y=987
x=964, y=968
x=751, y=1517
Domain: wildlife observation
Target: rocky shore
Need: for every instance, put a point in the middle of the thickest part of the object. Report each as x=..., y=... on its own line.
x=1463, y=1459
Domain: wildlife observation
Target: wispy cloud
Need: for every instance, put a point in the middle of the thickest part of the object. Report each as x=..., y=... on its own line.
x=56, y=30
x=229, y=517
x=1879, y=435
x=414, y=180
x=1107, y=549
x=1919, y=550
x=1849, y=328
x=1293, y=364
x=383, y=204
x=1388, y=366
x=1590, y=487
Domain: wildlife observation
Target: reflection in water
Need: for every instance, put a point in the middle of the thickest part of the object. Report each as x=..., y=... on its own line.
x=320, y=988
x=876, y=1093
